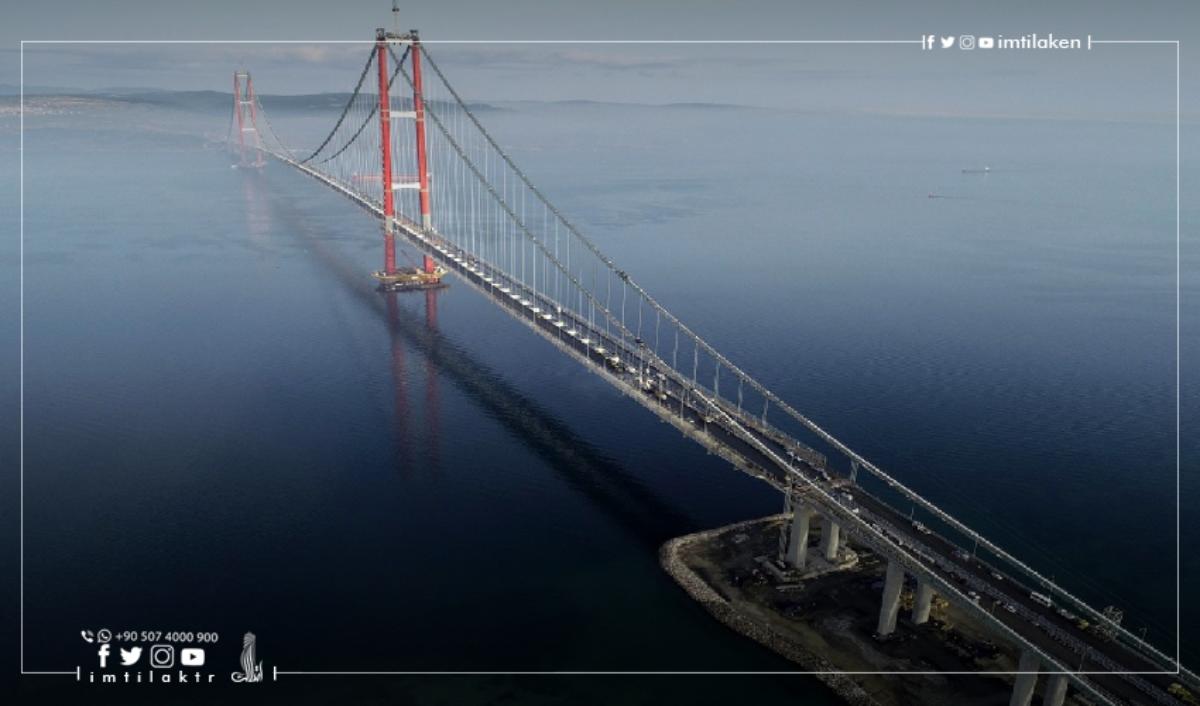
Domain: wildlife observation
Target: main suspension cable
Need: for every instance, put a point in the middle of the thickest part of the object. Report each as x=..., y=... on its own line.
x=357, y=88
x=367, y=120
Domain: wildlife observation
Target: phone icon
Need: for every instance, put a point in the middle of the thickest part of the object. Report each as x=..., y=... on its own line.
x=87, y=635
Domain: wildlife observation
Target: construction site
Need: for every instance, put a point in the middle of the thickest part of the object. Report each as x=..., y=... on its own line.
x=823, y=618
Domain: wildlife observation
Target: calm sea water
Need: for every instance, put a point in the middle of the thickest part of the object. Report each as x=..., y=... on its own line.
x=227, y=429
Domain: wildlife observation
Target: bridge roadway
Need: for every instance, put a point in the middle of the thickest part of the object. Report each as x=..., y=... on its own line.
x=759, y=449
x=676, y=400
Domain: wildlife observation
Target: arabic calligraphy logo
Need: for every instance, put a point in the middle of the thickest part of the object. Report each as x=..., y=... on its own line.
x=251, y=670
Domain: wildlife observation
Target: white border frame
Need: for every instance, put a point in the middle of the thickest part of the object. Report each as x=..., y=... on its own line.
x=276, y=672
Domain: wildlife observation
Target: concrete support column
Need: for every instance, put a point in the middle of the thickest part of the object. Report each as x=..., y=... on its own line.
x=797, y=551
x=1056, y=690
x=891, y=598
x=829, y=539
x=922, y=602
x=1024, y=685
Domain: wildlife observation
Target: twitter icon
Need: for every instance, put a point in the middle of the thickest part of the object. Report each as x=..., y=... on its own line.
x=130, y=656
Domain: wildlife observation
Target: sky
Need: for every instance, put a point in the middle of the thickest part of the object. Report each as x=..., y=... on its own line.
x=1109, y=82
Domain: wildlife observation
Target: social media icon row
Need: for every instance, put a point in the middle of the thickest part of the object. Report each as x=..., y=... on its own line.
x=161, y=656
x=966, y=41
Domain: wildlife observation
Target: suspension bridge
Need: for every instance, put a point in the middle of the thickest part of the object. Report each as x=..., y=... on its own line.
x=410, y=151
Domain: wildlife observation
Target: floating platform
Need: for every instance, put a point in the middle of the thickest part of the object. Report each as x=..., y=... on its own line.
x=410, y=279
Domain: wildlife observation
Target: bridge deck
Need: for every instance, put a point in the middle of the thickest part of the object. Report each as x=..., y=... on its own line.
x=691, y=409
x=757, y=448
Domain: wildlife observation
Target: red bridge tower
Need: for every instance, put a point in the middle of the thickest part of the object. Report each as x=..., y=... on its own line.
x=245, y=112
x=428, y=275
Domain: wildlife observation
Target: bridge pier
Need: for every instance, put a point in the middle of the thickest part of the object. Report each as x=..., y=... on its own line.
x=1025, y=683
x=797, y=550
x=891, y=598
x=829, y=539
x=922, y=602
x=1056, y=690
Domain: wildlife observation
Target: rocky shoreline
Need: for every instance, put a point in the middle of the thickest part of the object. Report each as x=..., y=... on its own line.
x=672, y=562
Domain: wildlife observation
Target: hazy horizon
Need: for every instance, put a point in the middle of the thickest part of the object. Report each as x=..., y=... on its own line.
x=628, y=52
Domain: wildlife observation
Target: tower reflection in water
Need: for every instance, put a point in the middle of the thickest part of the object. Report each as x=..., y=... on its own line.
x=428, y=452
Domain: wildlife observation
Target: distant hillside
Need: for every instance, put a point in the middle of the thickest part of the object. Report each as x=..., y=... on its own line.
x=207, y=100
